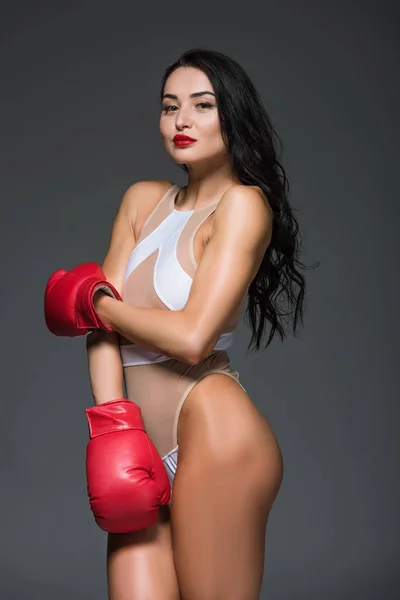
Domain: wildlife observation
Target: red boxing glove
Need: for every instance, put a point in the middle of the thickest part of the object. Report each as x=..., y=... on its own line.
x=68, y=300
x=126, y=478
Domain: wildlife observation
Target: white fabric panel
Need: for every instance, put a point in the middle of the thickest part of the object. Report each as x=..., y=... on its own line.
x=171, y=463
x=133, y=355
x=171, y=283
x=172, y=224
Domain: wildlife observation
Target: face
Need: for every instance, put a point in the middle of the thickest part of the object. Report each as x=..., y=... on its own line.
x=189, y=110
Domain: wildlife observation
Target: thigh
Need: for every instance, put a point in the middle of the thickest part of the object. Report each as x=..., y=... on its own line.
x=140, y=565
x=229, y=473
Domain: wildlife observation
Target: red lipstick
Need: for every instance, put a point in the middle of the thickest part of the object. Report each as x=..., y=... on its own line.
x=183, y=140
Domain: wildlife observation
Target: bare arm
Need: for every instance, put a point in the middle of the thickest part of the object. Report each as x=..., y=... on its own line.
x=104, y=359
x=241, y=234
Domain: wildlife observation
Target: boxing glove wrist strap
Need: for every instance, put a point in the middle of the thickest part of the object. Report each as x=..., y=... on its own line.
x=115, y=415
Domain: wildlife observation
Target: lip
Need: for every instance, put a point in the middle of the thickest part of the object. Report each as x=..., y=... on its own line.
x=183, y=140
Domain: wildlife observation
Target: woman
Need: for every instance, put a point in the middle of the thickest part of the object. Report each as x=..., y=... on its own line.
x=186, y=261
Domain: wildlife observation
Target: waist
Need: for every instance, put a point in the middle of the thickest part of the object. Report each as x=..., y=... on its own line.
x=133, y=355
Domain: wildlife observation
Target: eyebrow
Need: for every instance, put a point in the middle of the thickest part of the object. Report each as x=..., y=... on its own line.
x=195, y=95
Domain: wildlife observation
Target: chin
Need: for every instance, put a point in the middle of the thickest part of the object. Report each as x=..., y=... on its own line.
x=188, y=158
x=183, y=158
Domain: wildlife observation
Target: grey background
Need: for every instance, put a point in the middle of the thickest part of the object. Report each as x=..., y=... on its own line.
x=79, y=124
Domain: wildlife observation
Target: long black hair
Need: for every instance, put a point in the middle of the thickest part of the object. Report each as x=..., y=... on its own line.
x=276, y=294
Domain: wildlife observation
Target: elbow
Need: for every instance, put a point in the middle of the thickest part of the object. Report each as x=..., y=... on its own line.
x=196, y=350
x=196, y=342
x=191, y=355
x=191, y=351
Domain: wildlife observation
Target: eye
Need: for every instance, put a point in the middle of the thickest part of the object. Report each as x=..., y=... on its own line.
x=204, y=105
x=169, y=108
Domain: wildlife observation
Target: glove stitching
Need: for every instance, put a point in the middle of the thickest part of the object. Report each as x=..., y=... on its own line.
x=116, y=430
x=152, y=460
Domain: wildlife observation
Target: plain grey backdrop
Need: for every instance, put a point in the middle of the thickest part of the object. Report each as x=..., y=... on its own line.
x=79, y=123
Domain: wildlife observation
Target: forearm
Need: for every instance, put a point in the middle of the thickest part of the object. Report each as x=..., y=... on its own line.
x=165, y=332
x=105, y=366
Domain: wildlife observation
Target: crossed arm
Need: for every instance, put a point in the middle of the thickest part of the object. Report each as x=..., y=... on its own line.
x=241, y=234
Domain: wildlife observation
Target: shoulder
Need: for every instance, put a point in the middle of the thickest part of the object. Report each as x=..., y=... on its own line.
x=140, y=191
x=123, y=234
x=140, y=198
x=245, y=209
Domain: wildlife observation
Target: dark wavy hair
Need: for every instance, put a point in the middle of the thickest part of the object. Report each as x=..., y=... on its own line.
x=276, y=294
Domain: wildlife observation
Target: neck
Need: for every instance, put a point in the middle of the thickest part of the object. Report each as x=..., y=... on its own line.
x=207, y=183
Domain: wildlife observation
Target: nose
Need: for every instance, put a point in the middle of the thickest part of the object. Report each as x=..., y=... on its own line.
x=183, y=119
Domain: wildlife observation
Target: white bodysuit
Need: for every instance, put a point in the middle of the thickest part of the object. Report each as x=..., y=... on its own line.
x=159, y=275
